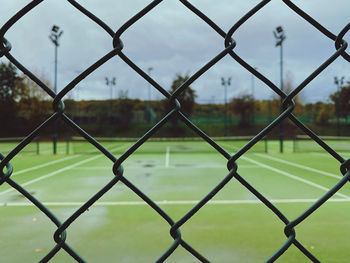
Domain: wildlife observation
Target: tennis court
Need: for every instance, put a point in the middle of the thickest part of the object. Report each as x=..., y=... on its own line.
x=120, y=227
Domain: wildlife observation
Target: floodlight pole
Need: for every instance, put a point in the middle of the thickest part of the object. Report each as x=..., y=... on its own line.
x=77, y=97
x=339, y=83
x=253, y=95
x=56, y=33
x=280, y=37
x=148, y=104
x=225, y=83
x=111, y=83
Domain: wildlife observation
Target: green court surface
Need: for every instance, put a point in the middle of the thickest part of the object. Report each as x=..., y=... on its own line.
x=233, y=227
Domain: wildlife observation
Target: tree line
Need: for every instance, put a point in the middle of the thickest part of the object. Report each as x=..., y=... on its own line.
x=24, y=106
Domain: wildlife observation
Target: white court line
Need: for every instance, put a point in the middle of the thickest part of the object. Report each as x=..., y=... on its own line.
x=45, y=164
x=299, y=166
x=245, y=166
x=57, y=171
x=179, y=202
x=323, y=154
x=326, y=154
x=167, y=157
x=293, y=176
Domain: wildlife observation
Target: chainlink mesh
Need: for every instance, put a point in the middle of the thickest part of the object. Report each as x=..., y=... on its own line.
x=175, y=112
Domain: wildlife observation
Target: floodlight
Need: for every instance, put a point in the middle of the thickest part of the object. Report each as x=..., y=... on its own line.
x=279, y=29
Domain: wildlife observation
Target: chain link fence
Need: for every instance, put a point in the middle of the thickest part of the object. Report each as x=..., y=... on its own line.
x=6, y=168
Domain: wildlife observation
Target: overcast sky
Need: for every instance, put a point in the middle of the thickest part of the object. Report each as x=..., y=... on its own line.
x=171, y=40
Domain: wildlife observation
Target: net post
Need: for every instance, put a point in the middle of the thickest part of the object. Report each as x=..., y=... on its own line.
x=37, y=145
x=54, y=139
x=67, y=144
x=294, y=144
x=281, y=137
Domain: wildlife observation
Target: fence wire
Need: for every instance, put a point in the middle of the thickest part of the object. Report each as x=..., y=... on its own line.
x=288, y=105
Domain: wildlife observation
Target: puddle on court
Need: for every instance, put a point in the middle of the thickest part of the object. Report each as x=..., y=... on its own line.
x=16, y=197
x=148, y=165
x=120, y=186
x=142, y=163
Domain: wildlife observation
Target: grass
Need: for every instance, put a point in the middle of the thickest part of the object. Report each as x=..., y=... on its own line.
x=235, y=227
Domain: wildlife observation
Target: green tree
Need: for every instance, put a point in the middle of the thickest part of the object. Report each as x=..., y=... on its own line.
x=186, y=98
x=33, y=90
x=341, y=100
x=10, y=93
x=34, y=103
x=187, y=101
x=10, y=90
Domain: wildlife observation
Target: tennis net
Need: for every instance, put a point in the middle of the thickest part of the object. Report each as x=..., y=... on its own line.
x=303, y=143
x=8, y=144
x=78, y=145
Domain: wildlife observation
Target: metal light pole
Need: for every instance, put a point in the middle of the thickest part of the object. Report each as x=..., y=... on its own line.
x=77, y=98
x=280, y=37
x=111, y=83
x=253, y=95
x=339, y=83
x=148, y=104
x=225, y=83
x=55, y=35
